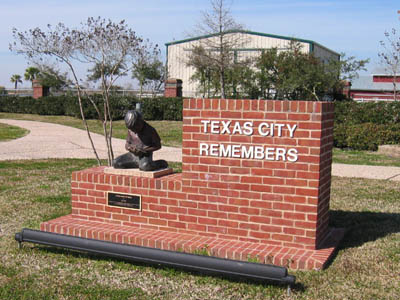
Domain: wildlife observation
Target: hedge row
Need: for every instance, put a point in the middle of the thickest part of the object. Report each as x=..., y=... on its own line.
x=366, y=136
x=365, y=126
x=67, y=105
x=351, y=112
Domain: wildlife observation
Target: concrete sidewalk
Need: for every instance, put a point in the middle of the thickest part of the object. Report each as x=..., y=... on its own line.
x=370, y=172
x=47, y=140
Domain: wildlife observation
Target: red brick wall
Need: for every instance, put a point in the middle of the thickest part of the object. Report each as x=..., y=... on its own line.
x=170, y=92
x=173, y=88
x=282, y=201
x=39, y=90
x=271, y=200
x=89, y=198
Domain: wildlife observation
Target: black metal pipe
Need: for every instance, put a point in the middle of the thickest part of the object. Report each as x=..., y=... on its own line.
x=191, y=262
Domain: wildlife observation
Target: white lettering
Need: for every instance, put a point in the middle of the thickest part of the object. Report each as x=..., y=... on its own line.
x=259, y=152
x=203, y=148
x=214, y=150
x=237, y=128
x=279, y=128
x=260, y=131
x=248, y=152
x=291, y=129
x=225, y=150
x=280, y=153
x=269, y=153
x=236, y=151
x=292, y=155
x=272, y=129
x=214, y=126
x=248, y=128
x=205, y=123
x=225, y=128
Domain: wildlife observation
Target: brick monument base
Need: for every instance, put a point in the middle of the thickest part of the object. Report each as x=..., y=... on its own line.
x=255, y=185
x=293, y=258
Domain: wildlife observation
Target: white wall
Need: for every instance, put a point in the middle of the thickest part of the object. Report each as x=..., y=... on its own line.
x=250, y=45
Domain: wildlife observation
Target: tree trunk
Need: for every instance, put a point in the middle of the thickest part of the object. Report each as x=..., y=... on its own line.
x=82, y=113
x=110, y=131
x=87, y=127
x=107, y=120
x=141, y=90
x=222, y=60
x=222, y=82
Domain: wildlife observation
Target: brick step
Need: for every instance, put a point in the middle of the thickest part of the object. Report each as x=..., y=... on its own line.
x=292, y=258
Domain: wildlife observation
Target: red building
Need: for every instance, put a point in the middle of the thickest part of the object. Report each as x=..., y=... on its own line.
x=377, y=87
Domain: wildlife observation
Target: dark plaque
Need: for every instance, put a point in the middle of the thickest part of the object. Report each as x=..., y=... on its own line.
x=124, y=200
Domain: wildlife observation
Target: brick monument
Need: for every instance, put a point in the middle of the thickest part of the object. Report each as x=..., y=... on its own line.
x=255, y=183
x=39, y=90
x=173, y=88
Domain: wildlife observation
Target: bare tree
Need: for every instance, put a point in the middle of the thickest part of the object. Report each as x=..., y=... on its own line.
x=110, y=48
x=222, y=31
x=390, y=56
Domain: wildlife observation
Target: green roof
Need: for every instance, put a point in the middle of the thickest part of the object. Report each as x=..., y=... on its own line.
x=311, y=43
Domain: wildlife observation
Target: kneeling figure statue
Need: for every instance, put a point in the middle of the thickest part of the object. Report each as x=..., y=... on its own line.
x=142, y=140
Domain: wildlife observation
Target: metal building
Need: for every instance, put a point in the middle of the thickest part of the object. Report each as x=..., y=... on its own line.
x=252, y=43
x=375, y=87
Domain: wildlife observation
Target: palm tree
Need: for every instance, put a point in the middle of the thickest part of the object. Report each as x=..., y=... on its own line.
x=31, y=73
x=16, y=79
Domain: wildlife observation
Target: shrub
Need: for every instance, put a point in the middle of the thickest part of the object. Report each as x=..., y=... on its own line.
x=389, y=134
x=367, y=136
x=120, y=105
x=50, y=106
x=162, y=108
x=152, y=109
x=363, y=137
x=172, y=108
x=351, y=112
x=341, y=111
x=340, y=136
x=71, y=106
x=365, y=126
x=22, y=105
x=3, y=90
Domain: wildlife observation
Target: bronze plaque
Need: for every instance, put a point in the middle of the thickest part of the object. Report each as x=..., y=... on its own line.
x=124, y=200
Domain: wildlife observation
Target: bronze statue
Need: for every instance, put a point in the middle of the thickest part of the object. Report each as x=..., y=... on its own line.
x=142, y=140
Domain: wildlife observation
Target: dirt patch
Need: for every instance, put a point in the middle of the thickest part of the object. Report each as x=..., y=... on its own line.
x=390, y=150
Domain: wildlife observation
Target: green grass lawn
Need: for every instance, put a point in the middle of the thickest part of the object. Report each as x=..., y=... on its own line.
x=8, y=132
x=364, y=158
x=366, y=267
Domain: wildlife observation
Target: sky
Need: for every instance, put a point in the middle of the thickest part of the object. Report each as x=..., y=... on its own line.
x=354, y=27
